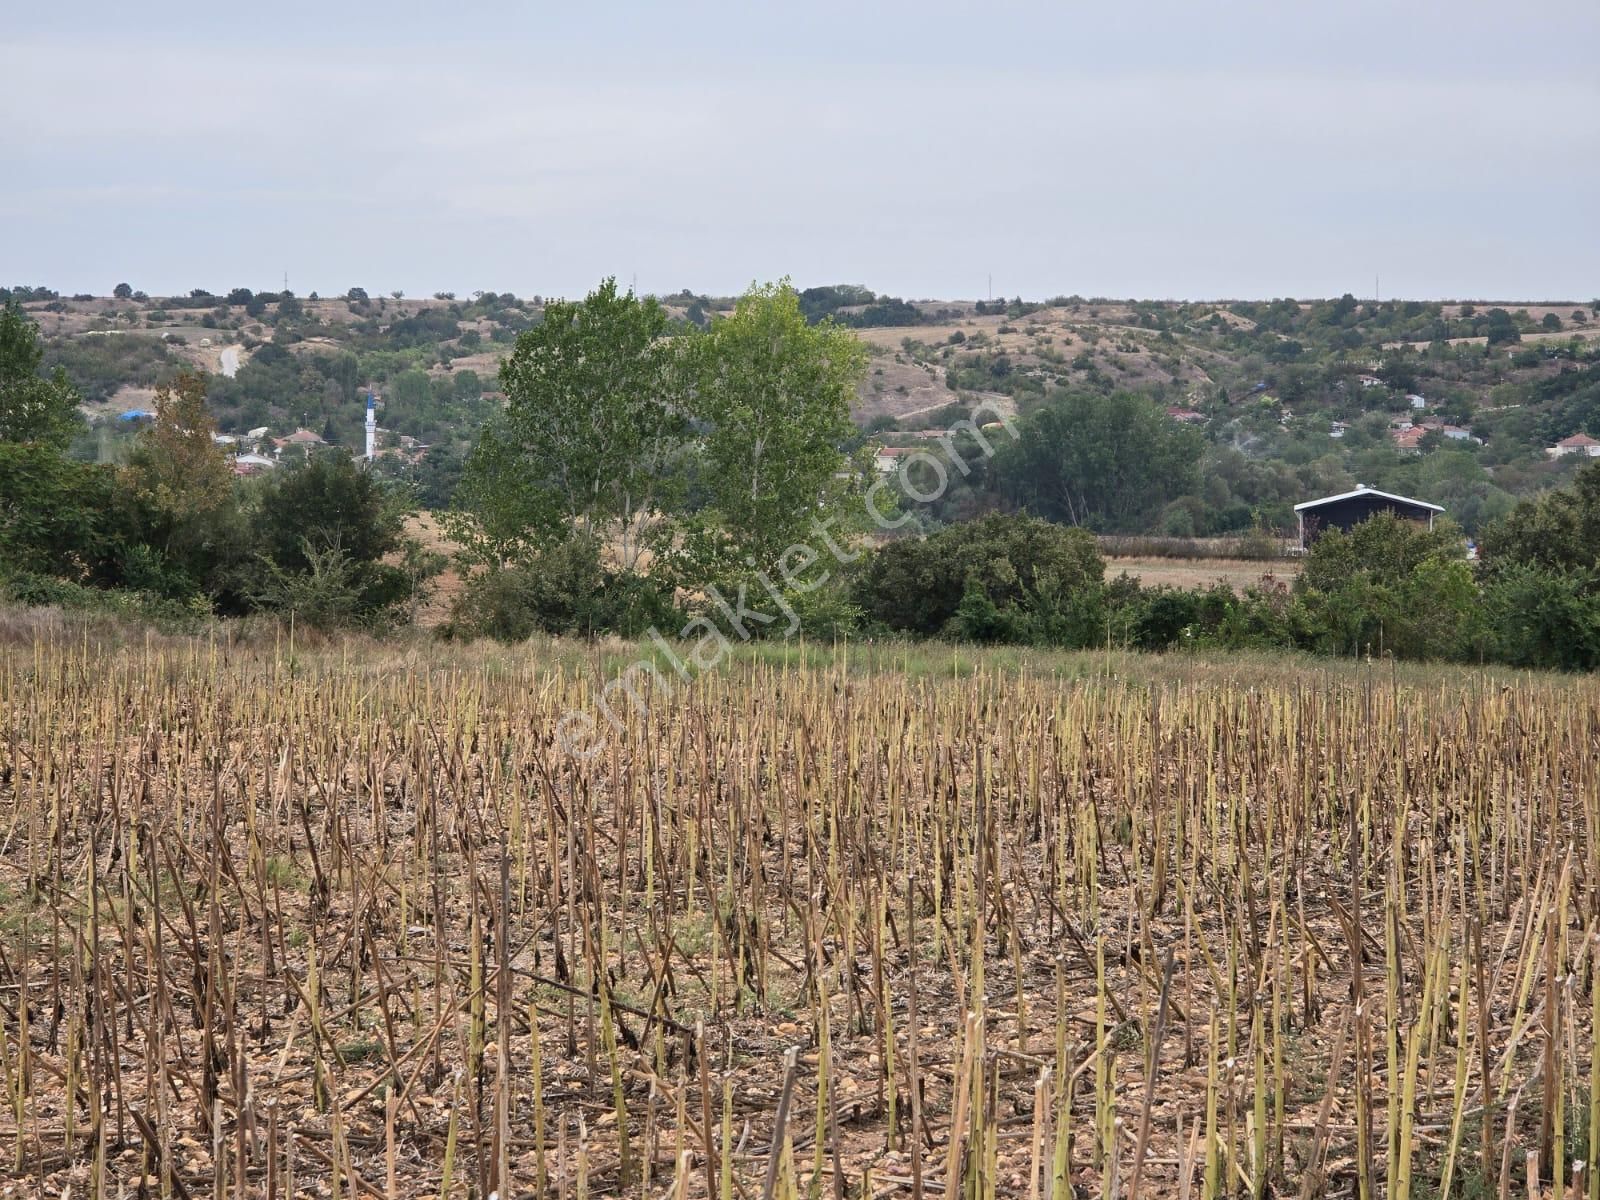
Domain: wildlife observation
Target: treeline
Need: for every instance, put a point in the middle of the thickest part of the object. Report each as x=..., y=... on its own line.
x=1387, y=588
x=710, y=487
x=1348, y=323
x=172, y=534
x=861, y=308
x=721, y=454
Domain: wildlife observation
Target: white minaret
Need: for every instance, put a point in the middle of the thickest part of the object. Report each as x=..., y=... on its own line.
x=372, y=427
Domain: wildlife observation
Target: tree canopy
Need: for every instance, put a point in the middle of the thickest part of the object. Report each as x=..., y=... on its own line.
x=1008, y=564
x=176, y=464
x=1106, y=462
x=595, y=414
x=322, y=532
x=773, y=394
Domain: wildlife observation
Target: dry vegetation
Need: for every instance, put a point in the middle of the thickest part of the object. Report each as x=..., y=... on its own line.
x=1190, y=573
x=347, y=923
x=908, y=374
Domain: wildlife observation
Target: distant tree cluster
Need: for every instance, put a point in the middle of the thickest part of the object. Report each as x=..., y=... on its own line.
x=1110, y=463
x=858, y=307
x=23, y=293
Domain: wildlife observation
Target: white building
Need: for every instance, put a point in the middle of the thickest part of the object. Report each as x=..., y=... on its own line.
x=1578, y=443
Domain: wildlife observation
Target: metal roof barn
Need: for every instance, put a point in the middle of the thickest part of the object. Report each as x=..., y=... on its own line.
x=1348, y=509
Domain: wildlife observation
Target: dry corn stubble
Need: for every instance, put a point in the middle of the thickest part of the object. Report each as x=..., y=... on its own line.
x=313, y=925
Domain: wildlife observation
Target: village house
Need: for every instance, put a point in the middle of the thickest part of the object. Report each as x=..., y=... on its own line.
x=1578, y=443
x=1408, y=435
x=1409, y=439
x=300, y=437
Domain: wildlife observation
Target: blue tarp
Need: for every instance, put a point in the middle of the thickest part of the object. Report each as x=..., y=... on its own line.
x=135, y=414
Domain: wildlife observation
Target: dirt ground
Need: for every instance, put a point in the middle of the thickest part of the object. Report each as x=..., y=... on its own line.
x=444, y=588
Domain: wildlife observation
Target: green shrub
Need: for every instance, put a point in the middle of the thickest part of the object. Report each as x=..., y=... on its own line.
x=1391, y=587
x=323, y=532
x=328, y=590
x=1165, y=616
x=825, y=614
x=1020, y=564
x=979, y=619
x=564, y=590
x=1544, y=618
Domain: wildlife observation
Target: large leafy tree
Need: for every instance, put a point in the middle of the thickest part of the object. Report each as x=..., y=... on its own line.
x=595, y=416
x=179, y=481
x=176, y=466
x=773, y=393
x=33, y=408
x=328, y=502
x=1107, y=462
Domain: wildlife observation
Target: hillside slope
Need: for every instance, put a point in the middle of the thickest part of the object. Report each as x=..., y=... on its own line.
x=1311, y=393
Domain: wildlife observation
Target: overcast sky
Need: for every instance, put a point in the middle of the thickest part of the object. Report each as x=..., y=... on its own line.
x=1166, y=149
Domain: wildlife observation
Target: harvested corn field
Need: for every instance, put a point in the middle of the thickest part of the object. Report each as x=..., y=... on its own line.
x=353, y=923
